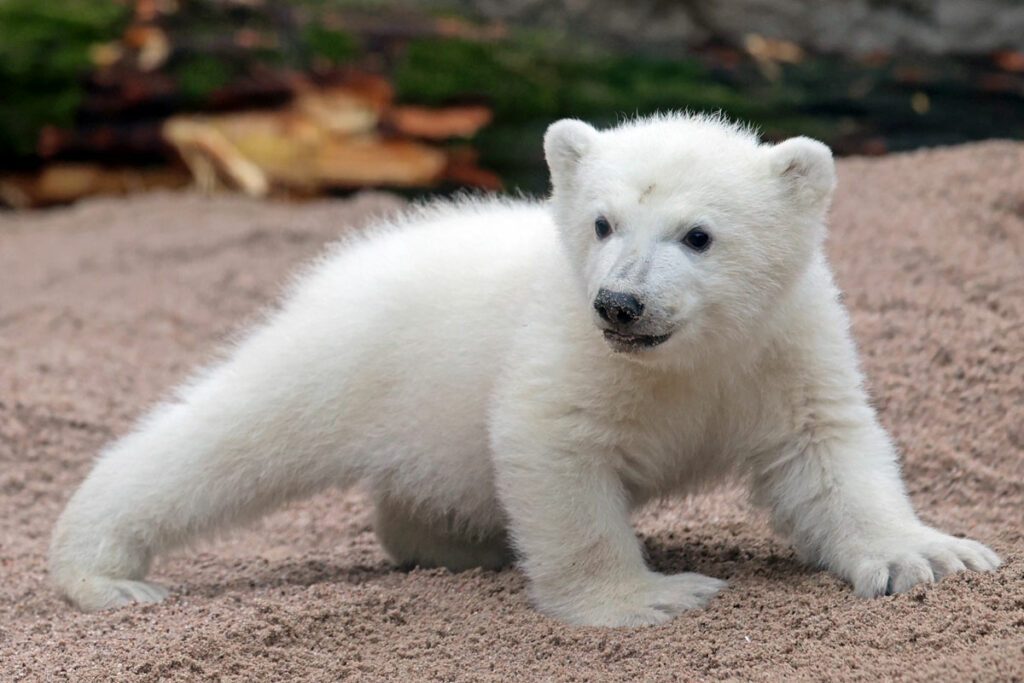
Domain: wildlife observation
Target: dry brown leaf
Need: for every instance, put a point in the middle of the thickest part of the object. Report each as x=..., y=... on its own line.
x=463, y=169
x=211, y=155
x=151, y=43
x=369, y=160
x=355, y=106
x=772, y=49
x=1009, y=60
x=454, y=27
x=328, y=138
x=15, y=191
x=253, y=151
x=105, y=55
x=439, y=124
x=998, y=83
x=146, y=10
x=472, y=175
x=61, y=183
x=339, y=112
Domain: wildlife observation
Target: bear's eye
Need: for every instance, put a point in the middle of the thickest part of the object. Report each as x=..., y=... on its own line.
x=697, y=239
x=602, y=228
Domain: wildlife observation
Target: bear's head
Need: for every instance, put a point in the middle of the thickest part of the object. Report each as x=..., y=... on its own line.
x=685, y=231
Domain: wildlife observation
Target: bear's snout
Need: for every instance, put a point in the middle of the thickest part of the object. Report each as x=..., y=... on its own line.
x=618, y=308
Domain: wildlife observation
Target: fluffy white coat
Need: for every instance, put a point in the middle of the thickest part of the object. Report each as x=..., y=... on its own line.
x=454, y=362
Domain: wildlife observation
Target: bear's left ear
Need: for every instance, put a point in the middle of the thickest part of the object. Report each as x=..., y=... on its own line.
x=565, y=144
x=806, y=166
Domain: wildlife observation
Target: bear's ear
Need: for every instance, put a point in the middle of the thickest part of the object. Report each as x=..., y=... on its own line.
x=807, y=168
x=565, y=144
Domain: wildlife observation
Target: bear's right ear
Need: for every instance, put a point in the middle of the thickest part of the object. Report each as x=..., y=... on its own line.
x=565, y=144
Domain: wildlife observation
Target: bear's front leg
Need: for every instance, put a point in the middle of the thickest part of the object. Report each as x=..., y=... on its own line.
x=838, y=494
x=569, y=519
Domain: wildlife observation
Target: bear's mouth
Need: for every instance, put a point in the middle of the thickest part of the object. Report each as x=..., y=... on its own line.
x=620, y=341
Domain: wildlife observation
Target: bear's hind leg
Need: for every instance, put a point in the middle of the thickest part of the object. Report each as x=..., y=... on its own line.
x=413, y=539
x=223, y=455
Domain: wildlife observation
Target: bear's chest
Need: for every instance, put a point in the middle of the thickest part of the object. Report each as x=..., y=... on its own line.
x=677, y=440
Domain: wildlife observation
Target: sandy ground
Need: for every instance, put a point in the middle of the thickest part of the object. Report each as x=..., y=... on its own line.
x=106, y=305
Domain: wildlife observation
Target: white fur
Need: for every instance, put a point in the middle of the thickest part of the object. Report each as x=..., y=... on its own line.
x=453, y=361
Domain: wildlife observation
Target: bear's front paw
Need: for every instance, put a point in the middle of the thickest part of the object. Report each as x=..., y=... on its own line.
x=898, y=562
x=654, y=599
x=94, y=593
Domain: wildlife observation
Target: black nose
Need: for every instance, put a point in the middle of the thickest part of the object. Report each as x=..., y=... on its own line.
x=618, y=307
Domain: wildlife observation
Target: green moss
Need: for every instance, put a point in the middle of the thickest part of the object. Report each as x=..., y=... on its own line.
x=517, y=84
x=532, y=80
x=198, y=76
x=329, y=44
x=528, y=79
x=44, y=53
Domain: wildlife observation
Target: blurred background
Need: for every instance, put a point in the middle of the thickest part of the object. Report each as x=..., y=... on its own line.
x=314, y=97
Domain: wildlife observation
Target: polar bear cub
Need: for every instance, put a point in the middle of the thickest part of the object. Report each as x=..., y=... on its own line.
x=510, y=379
